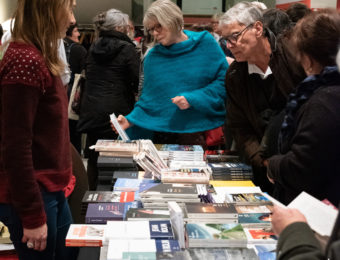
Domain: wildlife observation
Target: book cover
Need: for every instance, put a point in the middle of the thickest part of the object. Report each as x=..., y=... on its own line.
x=100, y=213
x=254, y=208
x=85, y=235
x=146, y=214
x=125, y=174
x=108, y=196
x=160, y=229
x=215, y=231
x=254, y=218
x=189, y=175
x=260, y=235
x=247, y=198
x=171, y=190
x=181, y=148
x=115, y=162
x=223, y=253
x=211, y=210
x=165, y=245
x=127, y=184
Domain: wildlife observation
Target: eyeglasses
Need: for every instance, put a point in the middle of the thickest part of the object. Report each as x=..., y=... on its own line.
x=157, y=27
x=233, y=38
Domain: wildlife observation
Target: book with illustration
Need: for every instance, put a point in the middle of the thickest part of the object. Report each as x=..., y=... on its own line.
x=80, y=235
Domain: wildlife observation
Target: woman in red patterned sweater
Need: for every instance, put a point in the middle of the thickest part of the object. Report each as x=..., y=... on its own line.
x=35, y=156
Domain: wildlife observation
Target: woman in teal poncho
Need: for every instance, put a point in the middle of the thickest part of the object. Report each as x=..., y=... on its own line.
x=183, y=93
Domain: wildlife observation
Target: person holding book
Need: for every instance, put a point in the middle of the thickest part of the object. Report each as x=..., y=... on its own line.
x=35, y=160
x=183, y=93
x=298, y=241
x=112, y=74
x=309, y=139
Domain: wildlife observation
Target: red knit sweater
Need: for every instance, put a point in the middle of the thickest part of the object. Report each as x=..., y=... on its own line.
x=35, y=147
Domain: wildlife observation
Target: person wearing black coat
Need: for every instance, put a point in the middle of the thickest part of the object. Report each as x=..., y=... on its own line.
x=112, y=76
x=309, y=139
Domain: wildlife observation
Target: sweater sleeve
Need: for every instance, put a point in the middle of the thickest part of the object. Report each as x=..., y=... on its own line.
x=211, y=98
x=19, y=105
x=297, y=242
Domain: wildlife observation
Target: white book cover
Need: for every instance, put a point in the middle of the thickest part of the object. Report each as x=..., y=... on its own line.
x=119, y=129
x=320, y=217
x=85, y=235
x=137, y=229
x=114, y=230
x=116, y=249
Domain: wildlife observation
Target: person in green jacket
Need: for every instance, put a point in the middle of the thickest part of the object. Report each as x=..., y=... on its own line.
x=297, y=240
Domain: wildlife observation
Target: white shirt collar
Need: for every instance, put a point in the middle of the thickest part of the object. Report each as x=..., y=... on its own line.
x=252, y=68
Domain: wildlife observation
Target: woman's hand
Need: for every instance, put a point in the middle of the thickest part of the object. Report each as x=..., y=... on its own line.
x=181, y=102
x=35, y=238
x=123, y=122
x=283, y=217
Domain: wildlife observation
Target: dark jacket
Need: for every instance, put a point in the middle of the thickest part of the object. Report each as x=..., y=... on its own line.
x=252, y=102
x=112, y=75
x=311, y=163
x=298, y=242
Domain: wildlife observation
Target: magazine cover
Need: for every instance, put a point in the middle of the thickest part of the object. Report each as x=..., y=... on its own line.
x=215, y=231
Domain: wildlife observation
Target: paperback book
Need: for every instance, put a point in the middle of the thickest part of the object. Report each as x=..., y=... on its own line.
x=147, y=214
x=82, y=235
x=100, y=213
x=215, y=235
x=152, y=229
x=211, y=210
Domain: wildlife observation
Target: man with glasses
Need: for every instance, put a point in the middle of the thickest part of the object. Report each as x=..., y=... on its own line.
x=257, y=83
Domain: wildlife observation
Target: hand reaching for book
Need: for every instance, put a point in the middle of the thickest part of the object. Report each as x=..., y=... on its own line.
x=181, y=102
x=123, y=122
x=283, y=217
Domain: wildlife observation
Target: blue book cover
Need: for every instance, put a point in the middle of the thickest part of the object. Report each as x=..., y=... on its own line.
x=262, y=218
x=100, y=213
x=123, y=184
x=266, y=252
x=167, y=245
x=146, y=185
x=160, y=229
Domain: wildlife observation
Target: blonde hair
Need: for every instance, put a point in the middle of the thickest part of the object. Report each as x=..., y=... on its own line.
x=36, y=23
x=167, y=13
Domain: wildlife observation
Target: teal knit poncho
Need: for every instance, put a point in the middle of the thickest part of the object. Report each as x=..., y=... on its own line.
x=195, y=69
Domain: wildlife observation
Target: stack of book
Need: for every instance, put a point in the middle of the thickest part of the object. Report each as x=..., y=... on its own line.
x=256, y=198
x=141, y=214
x=254, y=215
x=187, y=175
x=217, y=158
x=216, y=235
x=152, y=229
x=176, y=152
x=80, y=235
x=116, y=148
x=140, y=249
x=108, y=165
x=159, y=195
x=231, y=171
x=213, y=213
x=105, y=197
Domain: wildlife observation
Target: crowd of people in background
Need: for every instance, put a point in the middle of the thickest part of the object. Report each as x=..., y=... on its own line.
x=269, y=78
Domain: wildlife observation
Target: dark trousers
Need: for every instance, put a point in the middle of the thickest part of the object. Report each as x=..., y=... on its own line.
x=58, y=221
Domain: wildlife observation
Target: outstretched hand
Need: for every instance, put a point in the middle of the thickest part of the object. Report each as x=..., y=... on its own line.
x=35, y=238
x=123, y=122
x=283, y=217
x=181, y=102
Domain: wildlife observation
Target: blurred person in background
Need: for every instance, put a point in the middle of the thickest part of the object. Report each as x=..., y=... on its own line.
x=297, y=11
x=112, y=75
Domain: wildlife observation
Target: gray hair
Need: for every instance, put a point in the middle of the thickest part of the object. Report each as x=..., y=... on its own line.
x=167, y=13
x=110, y=20
x=244, y=13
